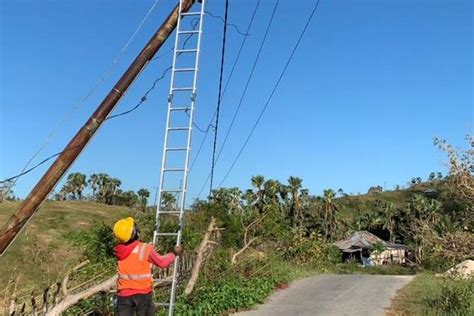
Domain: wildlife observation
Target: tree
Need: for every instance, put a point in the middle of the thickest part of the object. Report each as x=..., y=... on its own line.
x=143, y=195
x=229, y=198
x=329, y=213
x=257, y=183
x=296, y=206
x=76, y=183
x=390, y=214
x=432, y=176
x=125, y=198
x=168, y=201
x=375, y=190
x=93, y=183
x=6, y=192
x=461, y=168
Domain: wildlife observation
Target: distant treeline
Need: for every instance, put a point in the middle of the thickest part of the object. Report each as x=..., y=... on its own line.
x=103, y=189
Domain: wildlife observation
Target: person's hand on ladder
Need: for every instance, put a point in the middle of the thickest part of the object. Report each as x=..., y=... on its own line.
x=178, y=250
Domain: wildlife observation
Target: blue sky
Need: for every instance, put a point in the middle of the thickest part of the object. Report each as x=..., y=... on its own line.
x=370, y=86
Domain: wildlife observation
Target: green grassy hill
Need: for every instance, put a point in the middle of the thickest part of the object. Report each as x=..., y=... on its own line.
x=42, y=251
x=366, y=203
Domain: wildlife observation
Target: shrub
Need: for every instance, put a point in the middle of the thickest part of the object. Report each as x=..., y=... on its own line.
x=456, y=297
x=311, y=249
x=230, y=293
x=97, y=243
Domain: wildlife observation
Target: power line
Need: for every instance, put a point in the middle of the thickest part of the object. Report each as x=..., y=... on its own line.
x=76, y=106
x=257, y=57
x=144, y=97
x=242, y=44
x=273, y=90
x=226, y=23
x=249, y=79
x=142, y=100
x=194, y=23
x=219, y=95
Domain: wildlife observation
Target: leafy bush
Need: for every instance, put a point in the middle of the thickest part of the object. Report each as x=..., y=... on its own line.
x=428, y=294
x=230, y=293
x=311, y=249
x=456, y=297
x=97, y=243
x=349, y=268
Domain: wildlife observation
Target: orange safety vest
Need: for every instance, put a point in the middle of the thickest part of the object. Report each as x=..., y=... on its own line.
x=134, y=272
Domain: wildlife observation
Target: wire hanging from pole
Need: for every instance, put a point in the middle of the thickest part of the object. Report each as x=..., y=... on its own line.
x=219, y=96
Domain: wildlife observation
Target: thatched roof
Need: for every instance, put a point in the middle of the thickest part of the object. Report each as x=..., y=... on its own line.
x=364, y=240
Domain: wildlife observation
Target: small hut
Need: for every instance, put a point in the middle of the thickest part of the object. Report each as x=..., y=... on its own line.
x=359, y=246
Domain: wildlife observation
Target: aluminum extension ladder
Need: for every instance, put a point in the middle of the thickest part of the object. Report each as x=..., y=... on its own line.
x=179, y=126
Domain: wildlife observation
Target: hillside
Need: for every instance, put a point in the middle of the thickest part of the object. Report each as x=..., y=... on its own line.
x=42, y=251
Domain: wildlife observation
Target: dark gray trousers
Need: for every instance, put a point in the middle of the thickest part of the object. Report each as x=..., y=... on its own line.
x=141, y=304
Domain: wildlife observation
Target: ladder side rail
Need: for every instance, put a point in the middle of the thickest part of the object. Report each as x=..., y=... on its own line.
x=186, y=172
x=168, y=113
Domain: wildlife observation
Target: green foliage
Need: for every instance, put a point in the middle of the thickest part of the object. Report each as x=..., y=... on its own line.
x=311, y=249
x=378, y=248
x=357, y=268
x=230, y=293
x=101, y=304
x=428, y=294
x=456, y=297
x=97, y=243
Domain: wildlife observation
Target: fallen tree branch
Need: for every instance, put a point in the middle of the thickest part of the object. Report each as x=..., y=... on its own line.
x=200, y=256
x=247, y=243
x=234, y=257
x=71, y=300
x=66, y=278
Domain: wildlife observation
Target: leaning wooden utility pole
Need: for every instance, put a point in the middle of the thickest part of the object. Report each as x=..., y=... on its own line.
x=50, y=179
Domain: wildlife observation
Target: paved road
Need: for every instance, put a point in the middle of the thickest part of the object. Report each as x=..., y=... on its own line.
x=330, y=295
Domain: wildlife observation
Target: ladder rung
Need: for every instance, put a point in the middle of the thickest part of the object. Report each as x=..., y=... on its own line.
x=172, y=191
x=190, y=13
x=178, y=128
x=184, y=69
x=183, y=89
x=188, y=32
x=169, y=212
x=179, y=51
x=173, y=169
x=162, y=304
x=166, y=234
x=176, y=149
x=163, y=280
x=180, y=109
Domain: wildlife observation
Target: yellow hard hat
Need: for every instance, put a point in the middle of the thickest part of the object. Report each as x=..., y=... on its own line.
x=123, y=229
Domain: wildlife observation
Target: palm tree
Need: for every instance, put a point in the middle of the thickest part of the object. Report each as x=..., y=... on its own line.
x=75, y=184
x=257, y=183
x=250, y=197
x=390, y=213
x=434, y=210
x=271, y=192
x=167, y=200
x=329, y=212
x=296, y=207
x=143, y=195
x=93, y=182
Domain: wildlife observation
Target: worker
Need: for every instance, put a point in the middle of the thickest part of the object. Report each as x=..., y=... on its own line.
x=135, y=279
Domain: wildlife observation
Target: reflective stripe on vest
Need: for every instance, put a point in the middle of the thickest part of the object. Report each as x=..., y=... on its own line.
x=135, y=276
